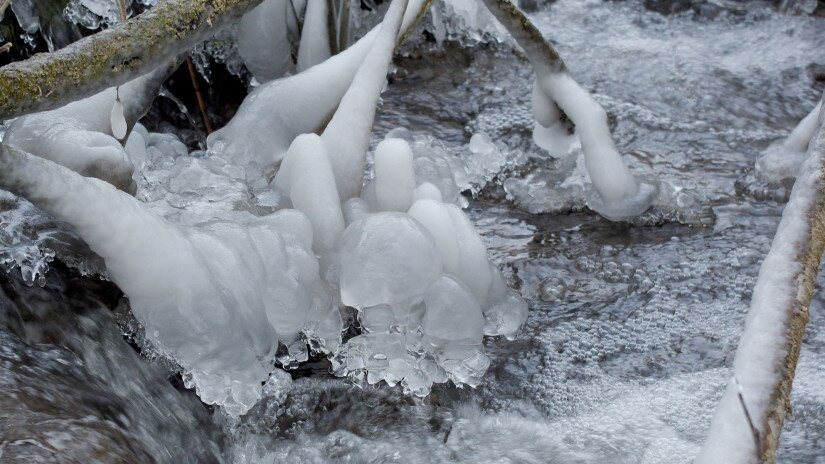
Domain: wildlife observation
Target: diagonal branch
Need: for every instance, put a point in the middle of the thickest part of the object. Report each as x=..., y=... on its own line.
x=769, y=348
x=114, y=56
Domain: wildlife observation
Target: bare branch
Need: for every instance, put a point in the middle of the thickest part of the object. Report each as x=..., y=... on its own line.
x=114, y=56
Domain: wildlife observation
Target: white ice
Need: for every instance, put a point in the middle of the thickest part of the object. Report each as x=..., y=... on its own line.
x=267, y=121
x=80, y=135
x=315, y=35
x=263, y=40
x=783, y=158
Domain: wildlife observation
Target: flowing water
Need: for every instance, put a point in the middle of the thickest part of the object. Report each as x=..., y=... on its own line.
x=632, y=327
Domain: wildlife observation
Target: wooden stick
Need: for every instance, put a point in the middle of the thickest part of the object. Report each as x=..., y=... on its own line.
x=114, y=56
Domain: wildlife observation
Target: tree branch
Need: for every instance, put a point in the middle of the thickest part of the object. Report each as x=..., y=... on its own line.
x=769, y=348
x=114, y=56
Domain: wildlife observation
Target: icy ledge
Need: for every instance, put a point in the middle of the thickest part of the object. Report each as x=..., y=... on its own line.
x=769, y=348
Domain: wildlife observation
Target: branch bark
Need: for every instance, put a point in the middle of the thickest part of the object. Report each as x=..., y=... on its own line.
x=114, y=56
x=769, y=349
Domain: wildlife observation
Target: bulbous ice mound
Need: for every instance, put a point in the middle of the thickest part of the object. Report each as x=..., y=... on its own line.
x=623, y=208
x=386, y=258
x=425, y=292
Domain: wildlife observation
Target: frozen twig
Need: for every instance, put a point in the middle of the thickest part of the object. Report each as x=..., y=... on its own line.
x=114, y=56
x=757, y=436
x=207, y=124
x=769, y=348
x=122, y=10
x=555, y=90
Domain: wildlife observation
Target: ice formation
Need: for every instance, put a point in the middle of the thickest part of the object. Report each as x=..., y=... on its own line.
x=83, y=135
x=217, y=298
x=619, y=194
x=782, y=159
x=263, y=40
x=229, y=294
x=315, y=35
x=763, y=355
x=267, y=122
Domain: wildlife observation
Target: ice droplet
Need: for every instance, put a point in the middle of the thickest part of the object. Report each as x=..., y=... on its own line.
x=118, y=120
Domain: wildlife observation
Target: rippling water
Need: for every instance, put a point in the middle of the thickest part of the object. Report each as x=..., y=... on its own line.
x=632, y=328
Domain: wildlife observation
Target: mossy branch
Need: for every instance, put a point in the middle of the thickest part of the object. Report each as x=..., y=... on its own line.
x=114, y=56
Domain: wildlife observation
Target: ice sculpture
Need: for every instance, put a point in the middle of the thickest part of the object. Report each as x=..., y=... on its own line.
x=619, y=194
x=80, y=135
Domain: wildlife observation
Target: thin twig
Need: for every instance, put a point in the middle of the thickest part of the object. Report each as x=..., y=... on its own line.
x=757, y=437
x=343, y=25
x=121, y=6
x=5, y=48
x=198, y=96
x=3, y=5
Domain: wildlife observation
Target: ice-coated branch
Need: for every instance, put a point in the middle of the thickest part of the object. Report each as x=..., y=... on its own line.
x=621, y=195
x=114, y=56
x=217, y=298
x=80, y=135
x=782, y=158
x=347, y=135
x=277, y=112
x=769, y=348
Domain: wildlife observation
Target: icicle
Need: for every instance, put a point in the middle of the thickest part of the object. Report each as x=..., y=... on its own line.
x=347, y=135
x=314, y=46
x=119, y=127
